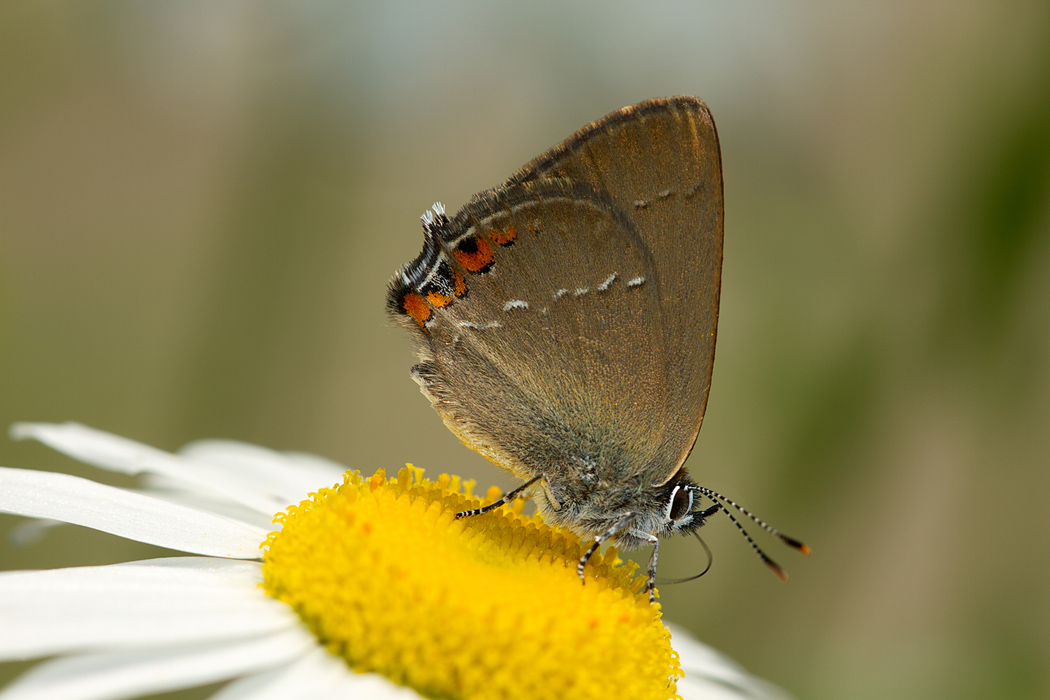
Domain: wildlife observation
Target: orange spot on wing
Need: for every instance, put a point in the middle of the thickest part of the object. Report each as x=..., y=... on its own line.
x=416, y=307
x=503, y=237
x=438, y=299
x=459, y=283
x=475, y=254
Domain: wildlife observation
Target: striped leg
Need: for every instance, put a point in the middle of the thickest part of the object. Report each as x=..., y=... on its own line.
x=505, y=498
x=608, y=534
x=651, y=573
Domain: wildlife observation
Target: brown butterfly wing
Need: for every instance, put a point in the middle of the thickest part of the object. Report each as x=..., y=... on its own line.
x=659, y=161
x=551, y=358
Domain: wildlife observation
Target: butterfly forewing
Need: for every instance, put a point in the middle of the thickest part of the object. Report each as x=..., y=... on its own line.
x=659, y=162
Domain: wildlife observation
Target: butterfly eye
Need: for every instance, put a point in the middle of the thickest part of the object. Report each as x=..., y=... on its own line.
x=680, y=505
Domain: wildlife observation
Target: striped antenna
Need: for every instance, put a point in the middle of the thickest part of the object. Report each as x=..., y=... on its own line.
x=789, y=541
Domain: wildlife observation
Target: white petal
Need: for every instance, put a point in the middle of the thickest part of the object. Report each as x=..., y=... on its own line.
x=292, y=475
x=371, y=686
x=168, y=490
x=318, y=466
x=132, y=515
x=317, y=676
x=231, y=570
x=311, y=677
x=158, y=602
x=127, y=674
x=710, y=675
x=119, y=454
x=101, y=449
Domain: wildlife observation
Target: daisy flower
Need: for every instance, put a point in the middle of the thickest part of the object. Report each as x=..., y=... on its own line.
x=359, y=587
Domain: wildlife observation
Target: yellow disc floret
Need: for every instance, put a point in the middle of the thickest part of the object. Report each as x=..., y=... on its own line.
x=488, y=606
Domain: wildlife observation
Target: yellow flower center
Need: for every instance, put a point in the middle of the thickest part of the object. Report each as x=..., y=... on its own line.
x=488, y=606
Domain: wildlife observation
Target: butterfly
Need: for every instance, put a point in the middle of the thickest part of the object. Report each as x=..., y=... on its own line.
x=565, y=324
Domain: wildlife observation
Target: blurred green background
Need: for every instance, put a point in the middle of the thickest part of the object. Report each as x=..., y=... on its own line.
x=200, y=205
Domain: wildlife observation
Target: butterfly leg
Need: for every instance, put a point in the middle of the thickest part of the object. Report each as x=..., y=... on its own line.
x=608, y=534
x=505, y=498
x=650, y=582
